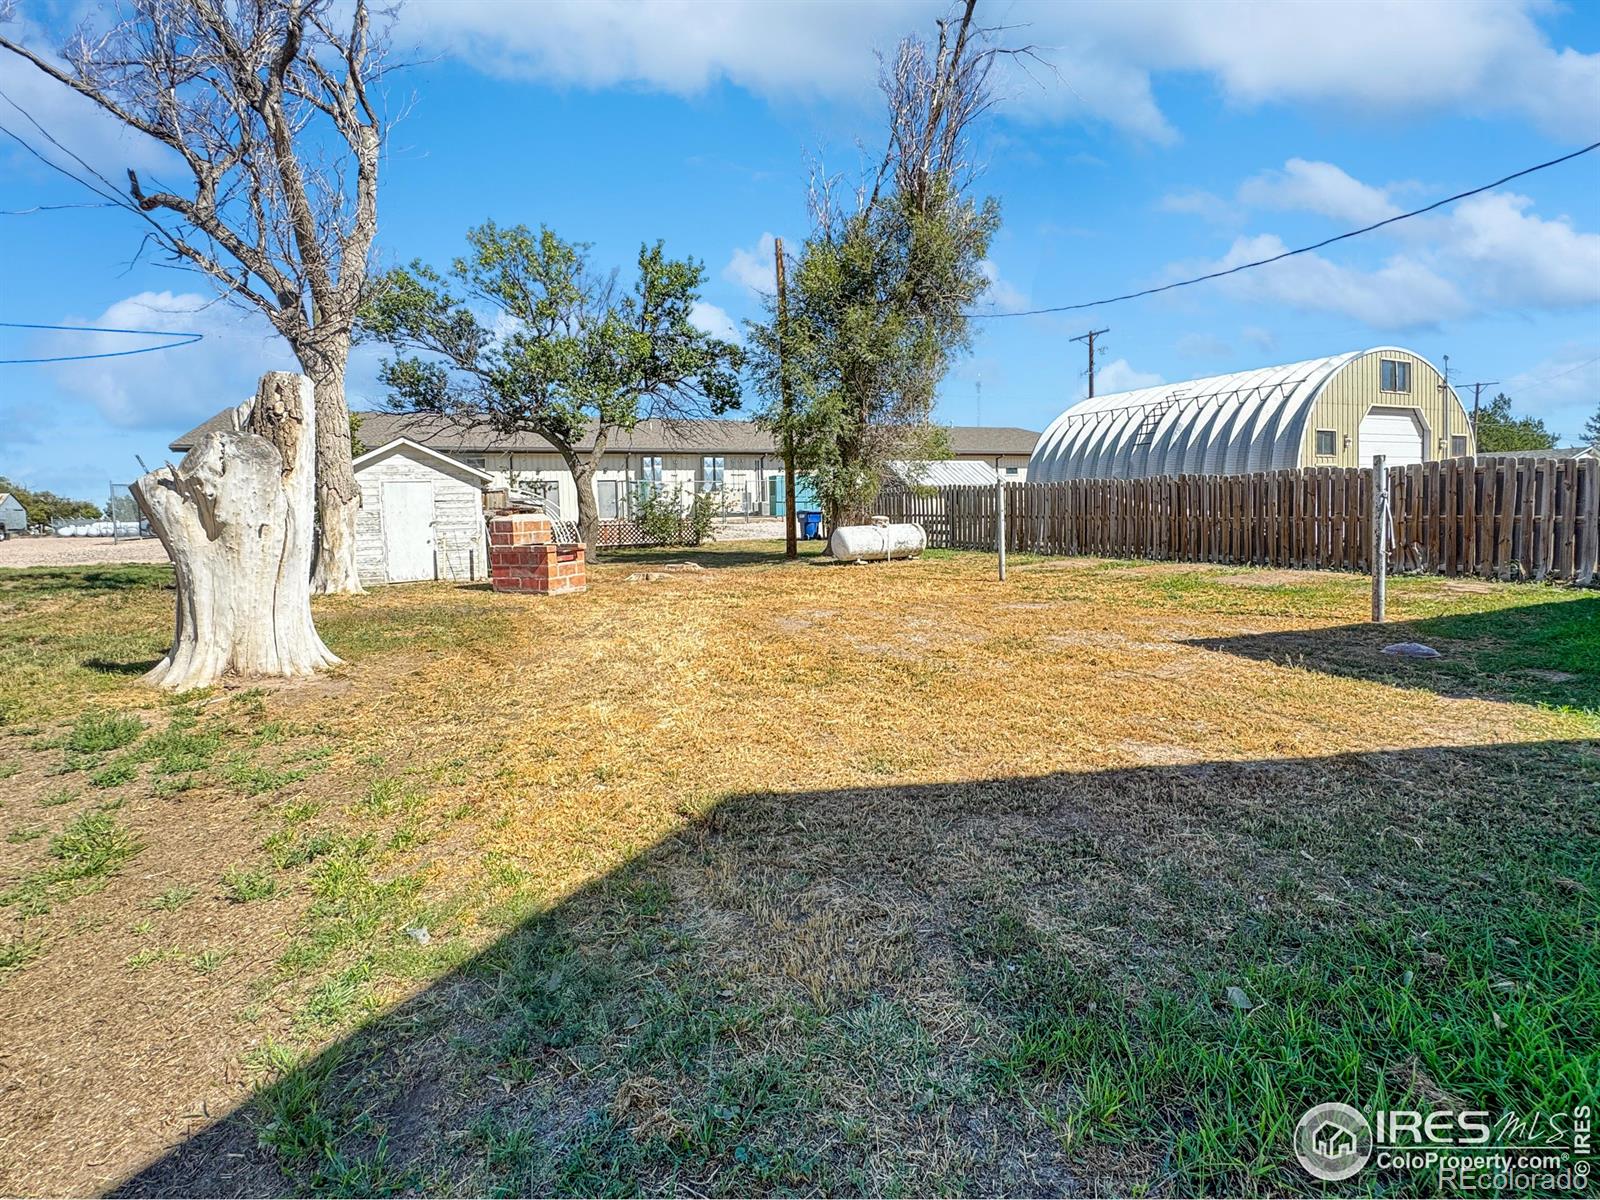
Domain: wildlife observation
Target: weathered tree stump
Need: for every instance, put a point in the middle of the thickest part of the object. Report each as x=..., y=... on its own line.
x=236, y=516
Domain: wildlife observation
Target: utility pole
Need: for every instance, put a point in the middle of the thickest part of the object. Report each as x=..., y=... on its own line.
x=1444, y=403
x=790, y=548
x=1090, y=337
x=1477, y=392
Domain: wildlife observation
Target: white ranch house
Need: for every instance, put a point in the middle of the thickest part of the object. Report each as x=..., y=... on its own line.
x=737, y=462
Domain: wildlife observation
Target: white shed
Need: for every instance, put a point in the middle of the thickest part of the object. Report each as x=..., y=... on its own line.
x=13, y=517
x=421, y=515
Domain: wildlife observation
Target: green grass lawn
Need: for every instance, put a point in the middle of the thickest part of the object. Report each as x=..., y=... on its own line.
x=789, y=878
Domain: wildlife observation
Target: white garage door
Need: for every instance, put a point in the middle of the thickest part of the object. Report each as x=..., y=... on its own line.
x=408, y=530
x=1394, y=433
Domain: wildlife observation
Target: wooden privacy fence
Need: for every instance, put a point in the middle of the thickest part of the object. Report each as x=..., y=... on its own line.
x=1499, y=517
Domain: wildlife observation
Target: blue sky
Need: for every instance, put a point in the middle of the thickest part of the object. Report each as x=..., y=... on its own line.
x=1166, y=140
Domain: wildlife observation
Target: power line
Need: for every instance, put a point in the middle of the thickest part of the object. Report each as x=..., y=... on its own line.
x=1559, y=374
x=1261, y=262
x=183, y=338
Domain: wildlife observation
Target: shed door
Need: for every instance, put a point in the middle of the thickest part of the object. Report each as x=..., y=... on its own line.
x=1394, y=433
x=408, y=530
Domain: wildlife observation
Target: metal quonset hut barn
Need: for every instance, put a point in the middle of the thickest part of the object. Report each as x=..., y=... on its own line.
x=1338, y=411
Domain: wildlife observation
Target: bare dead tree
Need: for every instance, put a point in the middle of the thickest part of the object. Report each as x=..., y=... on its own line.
x=270, y=106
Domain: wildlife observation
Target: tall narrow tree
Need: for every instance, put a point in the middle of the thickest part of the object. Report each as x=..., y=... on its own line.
x=879, y=294
x=269, y=107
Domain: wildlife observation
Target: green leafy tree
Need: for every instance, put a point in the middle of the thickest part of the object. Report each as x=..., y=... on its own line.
x=880, y=291
x=521, y=335
x=1499, y=430
x=43, y=507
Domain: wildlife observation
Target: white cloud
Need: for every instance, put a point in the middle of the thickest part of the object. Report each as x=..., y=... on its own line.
x=1517, y=258
x=1401, y=294
x=1198, y=202
x=754, y=269
x=999, y=295
x=1119, y=376
x=79, y=125
x=1479, y=56
x=1489, y=251
x=713, y=320
x=1563, y=389
x=168, y=388
x=1318, y=187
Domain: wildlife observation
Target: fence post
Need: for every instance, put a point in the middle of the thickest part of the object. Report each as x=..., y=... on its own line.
x=1000, y=517
x=1380, y=540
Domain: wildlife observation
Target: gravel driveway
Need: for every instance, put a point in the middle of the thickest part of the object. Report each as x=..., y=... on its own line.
x=78, y=551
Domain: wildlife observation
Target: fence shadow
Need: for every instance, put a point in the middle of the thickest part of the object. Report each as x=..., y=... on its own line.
x=652, y=1032
x=1537, y=654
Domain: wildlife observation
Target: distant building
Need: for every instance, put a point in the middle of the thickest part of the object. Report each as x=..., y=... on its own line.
x=1338, y=411
x=736, y=461
x=13, y=517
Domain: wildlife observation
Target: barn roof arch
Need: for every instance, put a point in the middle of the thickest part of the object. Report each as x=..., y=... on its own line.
x=1226, y=424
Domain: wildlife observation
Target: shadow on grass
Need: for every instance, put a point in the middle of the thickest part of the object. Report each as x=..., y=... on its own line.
x=1537, y=654
x=44, y=580
x=715, y=554
x=106, y=666
x=1016, y=986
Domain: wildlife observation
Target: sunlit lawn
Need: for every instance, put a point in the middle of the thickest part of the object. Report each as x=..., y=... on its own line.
x=769, y=877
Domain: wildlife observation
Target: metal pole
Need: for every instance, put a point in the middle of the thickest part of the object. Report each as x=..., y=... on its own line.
x=1380, y=538
x=786, y=392
x=1000, y=517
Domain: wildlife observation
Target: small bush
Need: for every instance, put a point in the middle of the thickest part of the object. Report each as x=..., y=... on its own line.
x=244, y=885
x=96, y=732
x=173, y=899
x=115, y=773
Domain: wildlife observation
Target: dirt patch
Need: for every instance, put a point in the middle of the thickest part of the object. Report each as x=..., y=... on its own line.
x=76, y=551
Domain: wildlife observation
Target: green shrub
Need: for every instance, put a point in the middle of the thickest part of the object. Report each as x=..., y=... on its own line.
x=98, y=731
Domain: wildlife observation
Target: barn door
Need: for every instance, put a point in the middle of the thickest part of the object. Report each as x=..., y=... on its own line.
x=408, y=530
x=1394, y=433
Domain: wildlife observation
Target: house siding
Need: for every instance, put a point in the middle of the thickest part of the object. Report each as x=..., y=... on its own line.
x=458, y=528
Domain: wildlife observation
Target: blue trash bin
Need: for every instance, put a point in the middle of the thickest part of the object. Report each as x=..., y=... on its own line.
x=810, y=525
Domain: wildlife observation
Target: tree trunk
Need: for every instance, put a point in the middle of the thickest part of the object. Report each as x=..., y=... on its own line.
x=236, y=516
x=338, y=498
x=583, y=472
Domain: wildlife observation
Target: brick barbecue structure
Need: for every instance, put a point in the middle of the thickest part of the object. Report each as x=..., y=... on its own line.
x=524, y=556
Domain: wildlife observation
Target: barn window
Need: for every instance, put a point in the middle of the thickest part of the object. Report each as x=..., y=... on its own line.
x=1327, y=443
x=712, y=469
x=1394, y=376
x=1458, y=445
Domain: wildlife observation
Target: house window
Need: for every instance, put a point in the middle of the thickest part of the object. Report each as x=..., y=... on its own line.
x=650, y=469
x=1458, y=445
x=1011, y=470
x=1327, y=443
x=475, y=460
x=1394, y=376
x=713, y=467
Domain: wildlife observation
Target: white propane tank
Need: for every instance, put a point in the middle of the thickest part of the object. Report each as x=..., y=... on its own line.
x=849, y=543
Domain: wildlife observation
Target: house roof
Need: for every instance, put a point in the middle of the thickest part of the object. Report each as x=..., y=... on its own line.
x=944, y=472
x=1563, y=452
x=419, y=450
x=729, y=437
